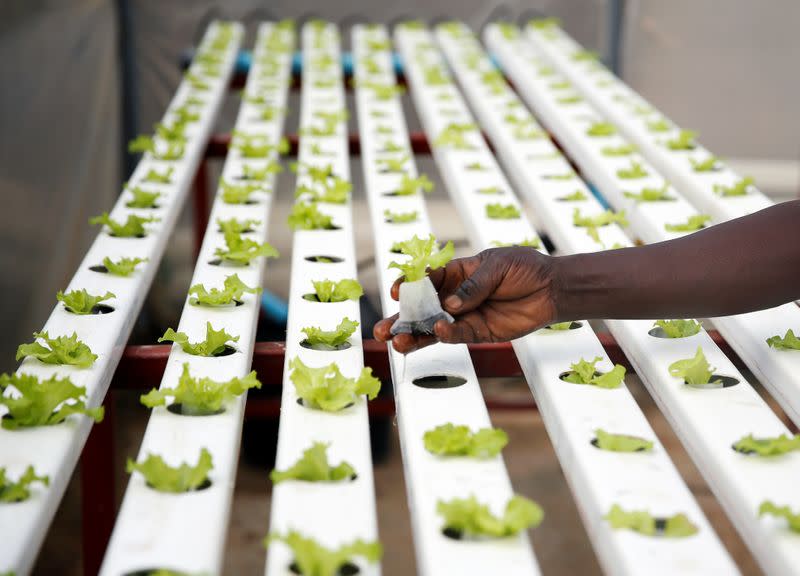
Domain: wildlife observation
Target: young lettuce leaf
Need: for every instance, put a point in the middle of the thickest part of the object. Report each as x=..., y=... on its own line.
x=679, y=328
x=410, y=186
x=600, y=129
x=17, y=491
x=584, y=372
x=400, y=217
x=634, y=172
x=157, y=177
x=63, y=350
x=577, y=196
x=651, y=194
x=337, y=291
x=502, y=211
x=451, y=440
x=306, y=216
x=239, y=193
x=123, y=266
x=240, y=250
x=80, y=301
x=313, y=559
x=788, y=342
x=232, y=292
x=235, y=226
x=641, y=521
x=602, y=219
x=214, y=344
x=774, y=446
x=424, y=255
x=740, y=188
x=200, y=396
x=685, y=140
x=623, y=150
x=694, y=223
x=710, y=164
x=320, y=339
x=173, y=479
x=326, y=388
x=693, y=371
x=43, y=403
x=313, y=466
x=142, y=198
x=532, y=242
x=769, y=508
x=132, y=227
x=621, y=442
x=467, y=517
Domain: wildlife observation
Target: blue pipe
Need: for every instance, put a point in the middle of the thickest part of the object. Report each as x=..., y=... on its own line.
x=274, y=307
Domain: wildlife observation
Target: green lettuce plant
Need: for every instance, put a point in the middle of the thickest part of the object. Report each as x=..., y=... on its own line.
x=468, y=518
x=710, y=164
x=240, y=251
x=43, y=402
x=326, y=388
x=133, y=227
x=678, y=328
x=320, y=339
x=62, y=350
x=233, y=290
x=142, y=198
x=685, y=140
x=173, y=479
x=643, y=522
x=123, y=266
x=314, y=559
x=647, y=194
x=214, y=344
x=634, y=172
x=80, y=301
x=400, y=217
x=336, y=291
x=692, y=224
x=694, y=371
x=19, y=490
x=774, y=446
x=451, y=440
x=584, y=372
x=621, y=442
x=498, y=211
x=788, y=342
x=740, y=188
x=313, y=466
x=769, y=508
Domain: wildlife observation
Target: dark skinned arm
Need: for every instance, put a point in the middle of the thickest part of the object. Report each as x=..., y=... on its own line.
x=746, y=264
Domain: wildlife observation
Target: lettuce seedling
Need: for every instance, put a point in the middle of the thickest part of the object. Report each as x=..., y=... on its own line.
x=336, y=291
x=602, y=219
x=231, y=293
x=740, y=188
x=240, y=251
x=549, y=23
x=400, y=217
x=410, y=186
x=710, y=164
x=157, y=177
x=569, y=99
x=200, y=396
x=123, y=266
x=577, y=196
x=387, y=165
x=454, y=136
x=476, y=167
x=467, y=517
x=451, y=440
x=490, y=190
x=679, y=328
x=601, y=129
x=133, y=227
x=651, y=194
x=314, y=559
x=769, y=508
x=532, y=242
x=173, y=479
x=419, y=304
x=623, y=150
x=694, y=371
x=621, y=442
x=528, y=132
x=585, y=56
x=660, y=125
x=336, y=191
x=560, y=85
x=583, y=372
x=326, y=388
x=319, y=339
x=306, y=216
x=634, y=172
x=235, y=226
x=250, y=172
x=81, y=302
x=502, y=211
x=239, y=193
x=685, y=140
x=788, y=342
x=563, y=177
x=774, y=446
x=692, y=224
x=172, y=149
x=257, y=145
x=43, y=403
x=313, y=466
x=215, y=343
x=641, y=521
x=63, y=350
x=17, y=491
x=383, y=91
x=142, y=198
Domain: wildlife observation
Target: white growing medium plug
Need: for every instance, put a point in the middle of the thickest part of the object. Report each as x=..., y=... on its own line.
x=420, y=308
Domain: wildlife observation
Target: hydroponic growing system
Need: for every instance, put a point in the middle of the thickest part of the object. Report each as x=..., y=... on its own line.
x=542, y=118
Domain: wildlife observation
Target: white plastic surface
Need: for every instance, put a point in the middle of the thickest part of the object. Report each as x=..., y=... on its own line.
x=332, y=513
x=740, y=482
x=429, y=478
x=572, y=413
x=54, y=450
x=187, y=532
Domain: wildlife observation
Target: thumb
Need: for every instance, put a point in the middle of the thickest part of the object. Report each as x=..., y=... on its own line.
x=472, y=292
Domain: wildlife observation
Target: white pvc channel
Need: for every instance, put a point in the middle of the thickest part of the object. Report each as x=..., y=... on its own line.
x=54, y=450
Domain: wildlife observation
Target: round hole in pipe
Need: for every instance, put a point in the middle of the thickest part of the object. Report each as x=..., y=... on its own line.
x=439, y=381
x=226, y=264
x=179, y=410
x=99, y=268
x=716, y=382
x=347, y=569
x=566, y=373
x=572, y=326
x=596, y=444
x=658, y=332
x=324, y=259
x=153, y=571
x=304, y=405
x=324, y=347
x=97, y=309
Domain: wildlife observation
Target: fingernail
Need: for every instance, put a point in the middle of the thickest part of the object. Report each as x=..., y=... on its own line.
x=453, y=302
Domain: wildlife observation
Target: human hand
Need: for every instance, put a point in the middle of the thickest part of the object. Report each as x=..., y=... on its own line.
x=495, y=296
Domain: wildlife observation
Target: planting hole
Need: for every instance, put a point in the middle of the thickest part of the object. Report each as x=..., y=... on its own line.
x=303, y=404
x=716, y=382
x=247, y=230
x=347, y=569
x=99, y=268
x=324, y=347
x=178, y=410
x=97, y=309
x=658, y=332
x=595, y=443
x=226, y=263
x=152, y=571
x=563, y=375
x=205, y=484
x=439, y=381
x=136, y=236
x=226, y=351
x=452, y=533
x=324, y=259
